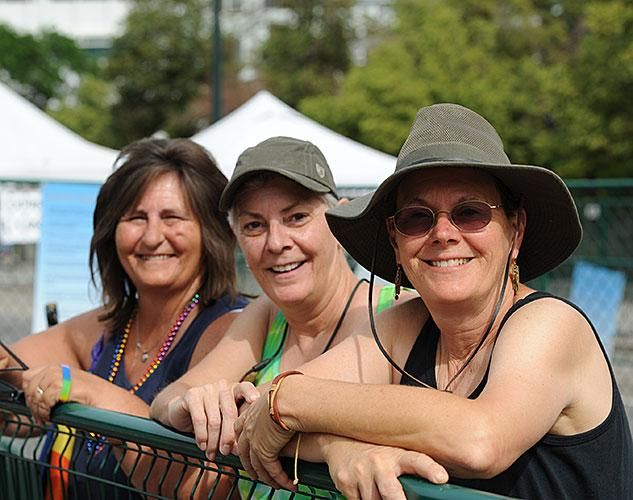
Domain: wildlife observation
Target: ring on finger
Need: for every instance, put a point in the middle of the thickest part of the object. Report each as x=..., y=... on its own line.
x=39, y=390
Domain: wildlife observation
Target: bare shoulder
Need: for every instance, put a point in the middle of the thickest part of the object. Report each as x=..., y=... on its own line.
x=213, y=334
x=234, y=333
x=552, y=319
x=68, y=342
x=400, y=325
x=255, y=318
x=550, y=343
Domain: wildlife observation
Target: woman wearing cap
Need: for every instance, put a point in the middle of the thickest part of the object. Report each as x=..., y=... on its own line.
x=276, y=199
x=518, y=396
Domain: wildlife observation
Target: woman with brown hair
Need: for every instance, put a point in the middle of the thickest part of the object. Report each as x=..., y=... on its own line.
x=164, y=258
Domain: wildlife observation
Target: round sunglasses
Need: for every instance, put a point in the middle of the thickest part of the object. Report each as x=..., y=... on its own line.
x=468, y=216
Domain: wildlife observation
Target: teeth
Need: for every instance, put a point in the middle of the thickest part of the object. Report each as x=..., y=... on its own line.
x=155, y=257
x=448, y=262
x=285, y=268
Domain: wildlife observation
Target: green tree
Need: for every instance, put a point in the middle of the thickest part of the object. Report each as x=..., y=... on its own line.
x=547, y=74
x=87, y=111
x=599, y=123
x=159, y=66
x=41, y=66
x=310, y=55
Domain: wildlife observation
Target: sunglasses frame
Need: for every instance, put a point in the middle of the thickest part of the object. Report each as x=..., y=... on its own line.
x=391, y=220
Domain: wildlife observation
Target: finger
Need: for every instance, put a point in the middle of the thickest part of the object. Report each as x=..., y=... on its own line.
x=193, y=403
x=246, y=391
x=4, y=362
x=422, y=465
x=238, y=426
x=278, y=475
x=213, y=416
x=243, y=451
x=387, y=486
x=228, y=409
x=262, y=473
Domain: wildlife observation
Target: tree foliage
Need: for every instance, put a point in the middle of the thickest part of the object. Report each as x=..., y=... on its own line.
x=41, y=67
x=553, y=77
x=310, y=55
x=87, y=111
x=159, y=65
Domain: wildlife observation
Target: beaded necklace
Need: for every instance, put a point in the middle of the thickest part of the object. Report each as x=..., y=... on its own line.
x=162, y=352
x=96, y=441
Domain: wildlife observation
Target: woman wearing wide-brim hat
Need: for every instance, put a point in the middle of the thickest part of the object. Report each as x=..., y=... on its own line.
x=519, y=397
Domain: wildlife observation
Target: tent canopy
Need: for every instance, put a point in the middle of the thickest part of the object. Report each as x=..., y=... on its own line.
x=35, y=147
x=263, y=116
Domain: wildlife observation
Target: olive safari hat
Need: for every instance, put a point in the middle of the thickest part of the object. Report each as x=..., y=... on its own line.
x=300, y=161
x=450, y=135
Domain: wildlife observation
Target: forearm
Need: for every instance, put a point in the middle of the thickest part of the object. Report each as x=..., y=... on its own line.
x=94, y=391
x=411, y=418
x=159, y=409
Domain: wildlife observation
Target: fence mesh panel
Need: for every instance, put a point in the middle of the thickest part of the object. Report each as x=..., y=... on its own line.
x=140, y=458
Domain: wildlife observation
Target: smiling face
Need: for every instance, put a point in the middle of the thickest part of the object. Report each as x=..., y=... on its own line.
x=158, y=239
x=447, y=264
x=286, y=242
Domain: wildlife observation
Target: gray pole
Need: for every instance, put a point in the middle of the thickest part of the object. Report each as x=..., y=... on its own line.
x=216, y=85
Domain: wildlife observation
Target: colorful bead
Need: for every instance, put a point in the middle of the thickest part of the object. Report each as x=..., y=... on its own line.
x=97, y=440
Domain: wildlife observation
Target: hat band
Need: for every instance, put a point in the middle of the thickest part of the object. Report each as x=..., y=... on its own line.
x=449, y=152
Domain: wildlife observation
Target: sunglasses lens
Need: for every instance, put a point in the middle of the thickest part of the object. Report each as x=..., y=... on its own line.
x=414, y=221
x=471, y=216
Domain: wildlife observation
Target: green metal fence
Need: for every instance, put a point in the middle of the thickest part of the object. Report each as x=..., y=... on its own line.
x=161, y=463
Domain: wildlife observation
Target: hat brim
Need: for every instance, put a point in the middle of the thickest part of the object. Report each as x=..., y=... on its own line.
x=553, y=229
x=234, y=185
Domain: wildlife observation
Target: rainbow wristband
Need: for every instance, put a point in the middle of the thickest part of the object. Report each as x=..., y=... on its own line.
x=64, y=393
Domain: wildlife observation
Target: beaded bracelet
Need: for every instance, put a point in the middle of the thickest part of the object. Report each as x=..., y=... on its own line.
x=64, y=393
x=273, y=410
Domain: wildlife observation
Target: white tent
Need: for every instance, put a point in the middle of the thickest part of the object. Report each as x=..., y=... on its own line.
x=35, y=147
x=353, y=164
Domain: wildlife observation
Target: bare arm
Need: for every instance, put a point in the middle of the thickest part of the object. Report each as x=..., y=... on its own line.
x=69, y=342
x=239, y=348
x=538, y=377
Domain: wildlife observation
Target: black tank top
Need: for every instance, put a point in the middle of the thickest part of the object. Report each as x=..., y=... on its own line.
x=594, y=464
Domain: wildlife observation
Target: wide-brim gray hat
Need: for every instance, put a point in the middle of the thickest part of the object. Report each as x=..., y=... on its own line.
x=449, y=135
x=300, y=161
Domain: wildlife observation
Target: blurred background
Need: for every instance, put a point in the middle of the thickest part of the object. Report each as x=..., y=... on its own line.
x=554, y=77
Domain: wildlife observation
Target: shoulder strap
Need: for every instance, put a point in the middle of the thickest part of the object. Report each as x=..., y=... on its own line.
x=515, y=307
x=272, y=345
x=385, y=298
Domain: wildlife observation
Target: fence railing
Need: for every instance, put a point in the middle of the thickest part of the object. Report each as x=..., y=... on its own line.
x=150, y=461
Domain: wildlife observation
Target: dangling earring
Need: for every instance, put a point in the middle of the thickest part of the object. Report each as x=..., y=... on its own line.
x=514, y=277
x=397, y=281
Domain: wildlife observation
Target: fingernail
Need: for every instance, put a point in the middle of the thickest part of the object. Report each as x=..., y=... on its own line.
x=210, y=455
x=202, y=445
x=225, y=449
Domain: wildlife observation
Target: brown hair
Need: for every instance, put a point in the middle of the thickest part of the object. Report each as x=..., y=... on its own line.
x=138, y=165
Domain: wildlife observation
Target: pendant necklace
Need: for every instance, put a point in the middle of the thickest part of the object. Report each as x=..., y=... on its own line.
x=96, y=441
x=139, y=347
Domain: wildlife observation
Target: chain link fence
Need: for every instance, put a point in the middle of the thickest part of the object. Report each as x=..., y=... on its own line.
x=599, y=275
x=606, y=211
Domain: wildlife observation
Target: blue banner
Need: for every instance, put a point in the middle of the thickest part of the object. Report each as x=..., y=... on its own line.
x=62, y=276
